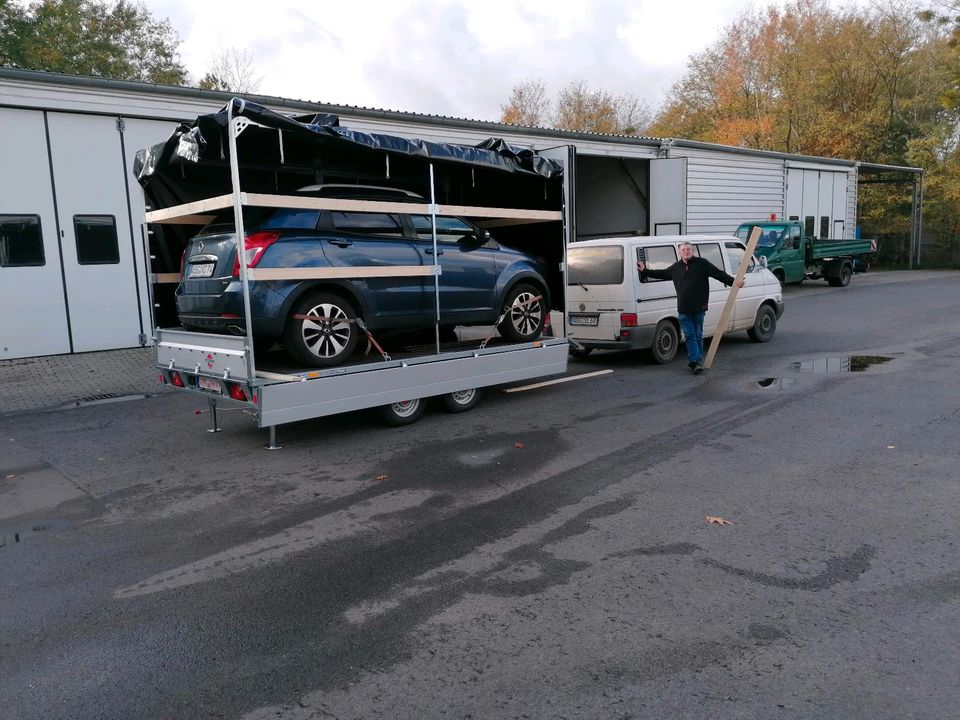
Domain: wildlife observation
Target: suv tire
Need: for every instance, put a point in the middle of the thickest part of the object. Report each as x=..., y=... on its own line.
x=525, y=317
x=329, y=339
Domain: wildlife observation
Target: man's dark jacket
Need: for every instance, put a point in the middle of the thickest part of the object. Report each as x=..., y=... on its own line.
x=692, y=282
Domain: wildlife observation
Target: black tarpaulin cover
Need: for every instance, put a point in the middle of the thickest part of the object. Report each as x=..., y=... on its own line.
x=205, y=140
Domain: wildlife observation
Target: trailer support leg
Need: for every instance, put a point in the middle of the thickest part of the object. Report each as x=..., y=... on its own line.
x=273, y=439
x=213, y=416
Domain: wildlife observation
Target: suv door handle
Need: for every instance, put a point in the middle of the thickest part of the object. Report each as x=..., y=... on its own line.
x=341, y=242
x=429, y=251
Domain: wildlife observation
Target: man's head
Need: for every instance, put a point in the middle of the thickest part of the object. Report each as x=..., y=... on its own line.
x=686, y=251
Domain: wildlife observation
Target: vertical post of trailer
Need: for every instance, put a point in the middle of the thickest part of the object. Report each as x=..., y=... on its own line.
x=241, y=234
x=148, y=271
x=436, y=261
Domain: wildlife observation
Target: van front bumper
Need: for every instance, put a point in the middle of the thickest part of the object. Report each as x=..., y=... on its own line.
x=634, y=338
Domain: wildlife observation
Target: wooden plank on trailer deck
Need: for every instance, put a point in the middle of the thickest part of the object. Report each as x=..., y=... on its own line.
x=177, y=212
x=732, y=295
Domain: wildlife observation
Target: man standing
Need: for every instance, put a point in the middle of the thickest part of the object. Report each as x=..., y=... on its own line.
x=691, y=277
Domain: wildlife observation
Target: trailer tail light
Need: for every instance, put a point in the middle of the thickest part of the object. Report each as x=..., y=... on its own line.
x=176, y=380
x=236, y=392
x=628, y=320
x=255, y=244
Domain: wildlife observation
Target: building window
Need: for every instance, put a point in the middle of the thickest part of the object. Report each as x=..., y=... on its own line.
x=824, y=226
x=96, y=239
x=808, y=225
x=21, y=243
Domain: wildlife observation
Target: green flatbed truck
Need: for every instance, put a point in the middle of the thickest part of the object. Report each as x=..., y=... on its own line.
x=793, y=257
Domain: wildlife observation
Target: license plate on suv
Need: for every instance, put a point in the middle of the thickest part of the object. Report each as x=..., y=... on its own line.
x=583, y=320
x=201, y=270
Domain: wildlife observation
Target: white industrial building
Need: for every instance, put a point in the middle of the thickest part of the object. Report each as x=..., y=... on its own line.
x=74, y=274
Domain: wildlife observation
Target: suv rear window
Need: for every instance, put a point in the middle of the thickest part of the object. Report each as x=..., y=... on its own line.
x=602, y=265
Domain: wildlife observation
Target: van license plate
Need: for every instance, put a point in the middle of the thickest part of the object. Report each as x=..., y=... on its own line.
x=209, y=384
x=202, y=270
x=583, y=319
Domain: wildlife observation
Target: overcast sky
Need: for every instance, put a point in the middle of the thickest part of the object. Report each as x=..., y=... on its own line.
x=452, y=57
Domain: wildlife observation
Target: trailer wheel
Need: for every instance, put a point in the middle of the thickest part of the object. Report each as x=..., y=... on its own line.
x=404, y=412
x=525, y=316
x=764, y=326
x=844, y=279
x=322, y=330
x=457, y=402
x=665, y=342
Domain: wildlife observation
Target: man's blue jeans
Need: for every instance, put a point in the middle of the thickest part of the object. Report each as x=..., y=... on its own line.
x=692, y=326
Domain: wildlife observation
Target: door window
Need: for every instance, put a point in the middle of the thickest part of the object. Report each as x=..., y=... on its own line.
x=794, y=237
x=735, y=252
x=711, y=252
x=449, y=229
x=658, y=257
x=21, y=243
x=96, y=239
x=367, y=223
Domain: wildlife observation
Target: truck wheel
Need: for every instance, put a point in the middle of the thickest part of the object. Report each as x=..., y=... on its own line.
x=525, y=319
x=321, y=330
x=404, y=412
x=844, y=279
x=764, y=326
x=665, y=342
x=457, y=402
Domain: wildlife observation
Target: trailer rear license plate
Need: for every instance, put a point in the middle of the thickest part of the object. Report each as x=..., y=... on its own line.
x=201, y=270
x=583, y=319
x=210, y=385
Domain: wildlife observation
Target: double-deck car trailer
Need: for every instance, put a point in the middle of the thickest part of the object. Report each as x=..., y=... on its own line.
x=224, y=369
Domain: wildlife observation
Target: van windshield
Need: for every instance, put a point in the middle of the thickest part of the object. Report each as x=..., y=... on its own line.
x=598, y=265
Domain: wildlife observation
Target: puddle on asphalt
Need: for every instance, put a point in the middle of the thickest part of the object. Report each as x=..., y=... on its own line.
x=850, y=363
x=825, y=365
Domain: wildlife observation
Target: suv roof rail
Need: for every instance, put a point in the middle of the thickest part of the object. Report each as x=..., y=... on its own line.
x=362, y=188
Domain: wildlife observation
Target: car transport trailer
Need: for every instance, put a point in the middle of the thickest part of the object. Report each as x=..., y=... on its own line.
x=183, y=180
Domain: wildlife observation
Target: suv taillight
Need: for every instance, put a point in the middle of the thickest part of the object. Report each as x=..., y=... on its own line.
x=255, y=244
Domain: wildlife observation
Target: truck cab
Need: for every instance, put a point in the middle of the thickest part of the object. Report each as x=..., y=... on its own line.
x=783, y=244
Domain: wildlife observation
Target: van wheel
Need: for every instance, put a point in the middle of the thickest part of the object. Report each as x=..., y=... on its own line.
x=764, y=326
x=525, y=316
x=457, y=402
x=665, y=342
x=322, y=330
x=404, y=412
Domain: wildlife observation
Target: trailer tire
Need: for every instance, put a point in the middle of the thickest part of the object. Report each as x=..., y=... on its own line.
x=844, y=278
x=405, y=412
x=458, y=402
x=524, y=320
x=764, y=326
x=666, y=341
x=330, y=339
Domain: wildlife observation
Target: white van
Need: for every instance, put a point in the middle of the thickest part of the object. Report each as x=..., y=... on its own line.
x=609, y=307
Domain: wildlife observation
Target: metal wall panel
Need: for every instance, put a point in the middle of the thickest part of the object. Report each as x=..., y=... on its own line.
x=88, y=169
x=33, y=315
x=725, y=189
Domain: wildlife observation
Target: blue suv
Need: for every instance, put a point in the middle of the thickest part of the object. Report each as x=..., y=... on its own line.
x=316, y=319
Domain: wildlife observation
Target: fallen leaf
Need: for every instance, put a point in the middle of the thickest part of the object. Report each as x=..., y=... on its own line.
x=381, y=478
x=519, y=445
x=714, y=520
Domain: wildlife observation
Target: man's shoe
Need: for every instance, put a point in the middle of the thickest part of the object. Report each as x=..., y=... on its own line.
x=691, y=365
x=698, y=369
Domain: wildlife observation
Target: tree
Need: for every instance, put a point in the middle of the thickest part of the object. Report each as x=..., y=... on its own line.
x=120, y=40
x=231, y=70
x=577, y=108
x=528, y=105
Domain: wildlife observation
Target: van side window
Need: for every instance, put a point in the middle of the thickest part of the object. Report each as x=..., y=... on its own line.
x=711, y=252
x=658, y=257
x=601, y=265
